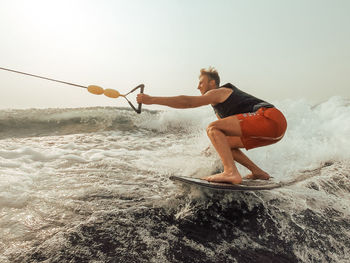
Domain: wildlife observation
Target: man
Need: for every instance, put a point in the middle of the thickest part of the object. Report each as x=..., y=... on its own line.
x=244, y=121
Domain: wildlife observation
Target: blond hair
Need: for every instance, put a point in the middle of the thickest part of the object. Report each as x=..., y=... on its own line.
x=212, y=74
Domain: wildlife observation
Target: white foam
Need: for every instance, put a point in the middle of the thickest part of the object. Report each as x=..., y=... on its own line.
x=170, y=119
x=73, y=157
x=28, y=153
x=314, y=135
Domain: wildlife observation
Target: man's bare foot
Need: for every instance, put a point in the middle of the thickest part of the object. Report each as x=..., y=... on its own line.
x=230, y=178
x=255, y=176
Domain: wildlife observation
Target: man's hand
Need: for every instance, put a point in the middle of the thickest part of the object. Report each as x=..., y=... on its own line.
x=144, y=98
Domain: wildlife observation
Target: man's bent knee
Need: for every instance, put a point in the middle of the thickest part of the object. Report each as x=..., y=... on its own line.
x=213, y=126
x=211, y=130
x=230, y=126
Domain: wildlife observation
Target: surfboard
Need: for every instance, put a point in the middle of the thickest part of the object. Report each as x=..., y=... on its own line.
x=246, y=185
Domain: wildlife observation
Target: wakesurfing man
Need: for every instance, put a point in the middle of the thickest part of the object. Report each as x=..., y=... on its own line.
x=244, y=121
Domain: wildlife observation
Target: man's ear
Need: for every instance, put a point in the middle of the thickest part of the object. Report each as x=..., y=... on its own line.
x=212, y=83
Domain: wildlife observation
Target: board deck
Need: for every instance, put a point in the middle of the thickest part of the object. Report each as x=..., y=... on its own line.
x=246, y=185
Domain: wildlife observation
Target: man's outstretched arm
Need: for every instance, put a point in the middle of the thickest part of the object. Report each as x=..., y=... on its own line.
x=184, y=102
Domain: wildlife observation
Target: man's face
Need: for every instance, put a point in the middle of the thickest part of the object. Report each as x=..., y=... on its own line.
x=204, y=84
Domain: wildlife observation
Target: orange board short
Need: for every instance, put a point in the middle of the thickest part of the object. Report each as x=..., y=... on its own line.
x=263, y=127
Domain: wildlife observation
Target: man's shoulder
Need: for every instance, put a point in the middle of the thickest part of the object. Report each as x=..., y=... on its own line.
x=228, y=85
x=220, y=94
x=219, y=90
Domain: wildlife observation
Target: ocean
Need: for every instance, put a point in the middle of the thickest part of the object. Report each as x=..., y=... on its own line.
x=92, y=185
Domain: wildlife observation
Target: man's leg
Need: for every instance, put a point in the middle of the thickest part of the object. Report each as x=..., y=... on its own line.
x=217, y=133
x=257, y=173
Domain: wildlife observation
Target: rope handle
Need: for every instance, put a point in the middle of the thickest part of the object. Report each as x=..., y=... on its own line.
x=141, y=87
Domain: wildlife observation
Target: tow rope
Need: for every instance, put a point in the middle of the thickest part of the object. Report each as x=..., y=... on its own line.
x=94, y=89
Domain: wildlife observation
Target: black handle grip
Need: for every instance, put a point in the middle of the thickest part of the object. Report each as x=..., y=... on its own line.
x=141, y=87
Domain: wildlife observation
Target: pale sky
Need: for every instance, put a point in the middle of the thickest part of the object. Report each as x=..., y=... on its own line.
x=273, y=49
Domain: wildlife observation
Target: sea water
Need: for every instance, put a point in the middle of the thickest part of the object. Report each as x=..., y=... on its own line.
x=92, y=185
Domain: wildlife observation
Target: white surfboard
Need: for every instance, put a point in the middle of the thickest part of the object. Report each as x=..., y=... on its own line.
x=246, y=185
